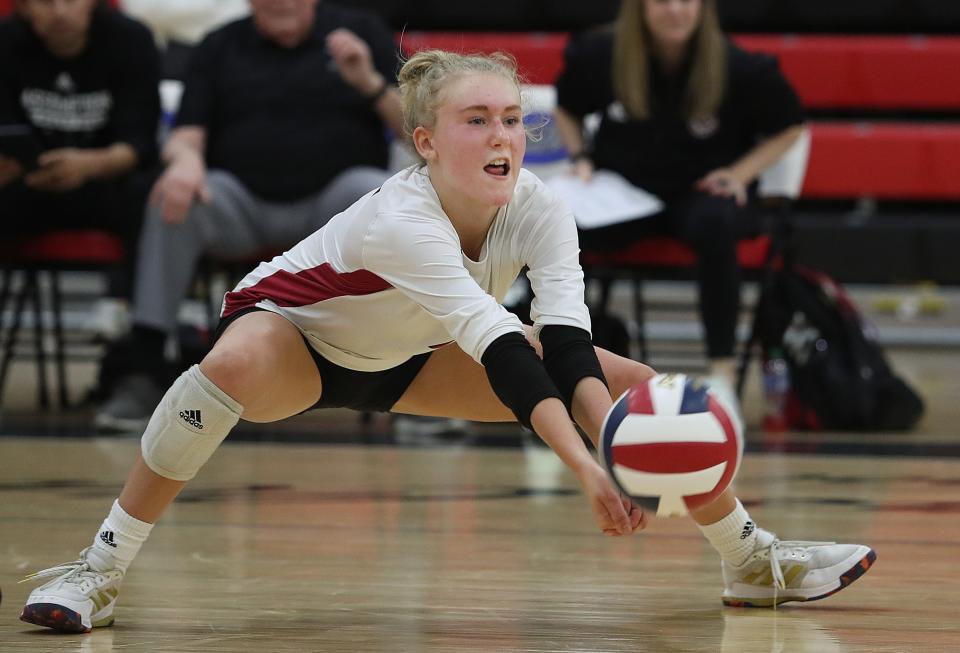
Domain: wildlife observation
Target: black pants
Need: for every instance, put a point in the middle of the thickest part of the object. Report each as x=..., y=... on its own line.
x=115, y=206
x=711, y=226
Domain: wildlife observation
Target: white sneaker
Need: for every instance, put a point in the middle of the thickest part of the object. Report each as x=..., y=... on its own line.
x=76, y=601
x=794, y=571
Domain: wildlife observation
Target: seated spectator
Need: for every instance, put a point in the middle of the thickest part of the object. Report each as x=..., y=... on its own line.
x=85, y=82
x=282, y=126
x=692, y=118
x=178, y=25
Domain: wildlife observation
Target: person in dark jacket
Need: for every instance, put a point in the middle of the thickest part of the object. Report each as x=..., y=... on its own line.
x=91, y=112
x=691, y=118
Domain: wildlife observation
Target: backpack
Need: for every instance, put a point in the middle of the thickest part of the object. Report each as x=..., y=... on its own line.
x=839, y=376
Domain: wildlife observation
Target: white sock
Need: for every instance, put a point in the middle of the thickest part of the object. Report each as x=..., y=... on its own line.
x=117, y=542
x=736, y=536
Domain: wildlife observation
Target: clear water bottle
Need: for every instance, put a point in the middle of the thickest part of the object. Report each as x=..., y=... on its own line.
x=776, y=386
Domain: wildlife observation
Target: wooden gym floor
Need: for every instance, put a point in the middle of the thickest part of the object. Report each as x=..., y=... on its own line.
x=324, y=534
x=304, y=546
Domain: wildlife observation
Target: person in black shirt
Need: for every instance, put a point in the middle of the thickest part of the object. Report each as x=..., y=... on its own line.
x=92, y=112
x=691, y=118
x=282, y=125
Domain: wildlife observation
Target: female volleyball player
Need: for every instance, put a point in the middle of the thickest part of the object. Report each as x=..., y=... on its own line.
x=395, y=305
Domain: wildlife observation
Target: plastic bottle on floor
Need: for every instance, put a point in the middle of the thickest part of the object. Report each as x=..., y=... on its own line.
x=776, y=387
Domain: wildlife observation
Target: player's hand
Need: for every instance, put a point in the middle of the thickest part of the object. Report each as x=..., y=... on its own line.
x=638, y=518
x=184, y=180
x=10, y=170
x=614, y=514
x=723, y=183
x=60, y=170
x=351, y=55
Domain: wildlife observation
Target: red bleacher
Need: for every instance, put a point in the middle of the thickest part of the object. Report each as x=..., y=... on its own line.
x=847, y=159
x=867, y=72
x=871, y=72
x=540, y=55
x=884, y=160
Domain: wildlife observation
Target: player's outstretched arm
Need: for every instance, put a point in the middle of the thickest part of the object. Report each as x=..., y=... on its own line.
x=614, y=514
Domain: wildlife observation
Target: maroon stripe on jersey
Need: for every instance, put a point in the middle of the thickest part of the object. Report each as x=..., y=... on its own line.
x=303, y=288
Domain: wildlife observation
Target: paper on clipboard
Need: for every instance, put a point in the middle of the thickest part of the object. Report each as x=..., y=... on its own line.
x=606, y=199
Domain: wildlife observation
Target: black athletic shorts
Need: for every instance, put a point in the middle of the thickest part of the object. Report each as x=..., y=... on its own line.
x=346, y=388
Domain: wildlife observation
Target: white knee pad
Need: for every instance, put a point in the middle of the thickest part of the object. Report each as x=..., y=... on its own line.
x=191, y=421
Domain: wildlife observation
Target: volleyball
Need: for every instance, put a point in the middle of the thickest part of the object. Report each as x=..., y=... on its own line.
x=672, y=444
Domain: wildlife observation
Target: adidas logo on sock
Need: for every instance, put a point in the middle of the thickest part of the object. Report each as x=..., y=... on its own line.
x=748, y=528
x=107, y=538
x=192, y=417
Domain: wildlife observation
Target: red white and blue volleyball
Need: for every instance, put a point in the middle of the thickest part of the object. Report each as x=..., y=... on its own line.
x=672, y=444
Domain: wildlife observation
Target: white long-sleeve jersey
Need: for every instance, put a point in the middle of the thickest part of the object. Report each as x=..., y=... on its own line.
x=387, y=278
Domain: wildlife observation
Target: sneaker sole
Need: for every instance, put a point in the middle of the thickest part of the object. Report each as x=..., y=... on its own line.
x=846, y=578
x=57, y=617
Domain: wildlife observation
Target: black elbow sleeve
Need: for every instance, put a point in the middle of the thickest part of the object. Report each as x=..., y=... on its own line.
x=569, y=357
x=517, y=375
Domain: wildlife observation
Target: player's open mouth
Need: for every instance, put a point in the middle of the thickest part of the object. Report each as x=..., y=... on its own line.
x=498, y=168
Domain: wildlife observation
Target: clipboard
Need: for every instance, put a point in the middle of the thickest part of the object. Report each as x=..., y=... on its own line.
x=606, y=199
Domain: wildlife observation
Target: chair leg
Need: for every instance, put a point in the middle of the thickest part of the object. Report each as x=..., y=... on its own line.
x=5, y=284
x=206, y=276
x=7, y=274
x=606, y=283
x=744, y=365
x=639, y=312
x=58, y=343
x=779, y=246
x=9, y=333
x=43, y=388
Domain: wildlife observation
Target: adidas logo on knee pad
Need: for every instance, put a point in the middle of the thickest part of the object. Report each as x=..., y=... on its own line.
x=176, y=443
x=192, y=417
